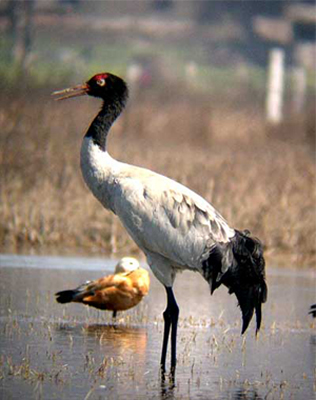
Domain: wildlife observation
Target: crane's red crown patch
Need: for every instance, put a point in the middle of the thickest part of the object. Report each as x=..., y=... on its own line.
x=100, y=76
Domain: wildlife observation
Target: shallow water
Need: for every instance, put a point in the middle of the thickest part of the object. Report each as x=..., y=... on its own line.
x=50, y=351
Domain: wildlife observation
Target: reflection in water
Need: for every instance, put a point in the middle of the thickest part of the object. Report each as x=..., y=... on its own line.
x=111, y=352
x=120, y=346
x=167, y=385
x=245, y=394
x=116, y=340
x=167, y=392
x=120, y=337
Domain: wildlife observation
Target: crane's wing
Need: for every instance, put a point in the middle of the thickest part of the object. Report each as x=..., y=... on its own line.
x=166, y=218
x=185, y=210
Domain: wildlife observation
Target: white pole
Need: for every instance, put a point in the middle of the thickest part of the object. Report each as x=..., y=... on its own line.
x=274, y=101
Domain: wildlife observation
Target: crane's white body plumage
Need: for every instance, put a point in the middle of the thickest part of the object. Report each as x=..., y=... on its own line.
x=175, y=227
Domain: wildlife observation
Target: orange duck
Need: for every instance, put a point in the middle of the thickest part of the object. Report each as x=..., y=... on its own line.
x=118, y=292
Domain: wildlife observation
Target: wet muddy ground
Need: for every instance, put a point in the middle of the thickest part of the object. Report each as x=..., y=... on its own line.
x=51, y=351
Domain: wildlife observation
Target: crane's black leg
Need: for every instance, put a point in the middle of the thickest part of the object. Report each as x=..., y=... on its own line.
x=167, y=320
x=174, y=327
x=114, y=314
x=170, y=315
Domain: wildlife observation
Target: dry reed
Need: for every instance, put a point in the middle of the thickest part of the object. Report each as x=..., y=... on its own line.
x=258, y=179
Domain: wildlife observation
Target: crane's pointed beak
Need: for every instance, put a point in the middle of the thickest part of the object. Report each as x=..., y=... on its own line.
x=79, y=90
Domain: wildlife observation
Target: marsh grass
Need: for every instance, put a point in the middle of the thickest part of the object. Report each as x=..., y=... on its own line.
x=258, y=178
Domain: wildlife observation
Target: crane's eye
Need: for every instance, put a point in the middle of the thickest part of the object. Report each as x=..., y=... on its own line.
x=101, y=82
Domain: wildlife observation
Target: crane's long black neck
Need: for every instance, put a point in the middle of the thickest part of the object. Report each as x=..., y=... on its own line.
x=102, y=123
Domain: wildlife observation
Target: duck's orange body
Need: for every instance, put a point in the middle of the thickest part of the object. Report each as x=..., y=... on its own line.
x=118, y=292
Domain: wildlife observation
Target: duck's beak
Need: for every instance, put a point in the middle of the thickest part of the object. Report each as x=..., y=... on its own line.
x=79, y=90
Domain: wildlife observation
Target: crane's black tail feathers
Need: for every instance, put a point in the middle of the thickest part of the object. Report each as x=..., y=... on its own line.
x=67, y=296
x=240, y=266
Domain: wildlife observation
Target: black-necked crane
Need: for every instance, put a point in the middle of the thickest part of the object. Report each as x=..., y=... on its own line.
x=118, y=292
x=176, y=228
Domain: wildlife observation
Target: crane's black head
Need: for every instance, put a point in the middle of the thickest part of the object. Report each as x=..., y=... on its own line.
x=107, y=86
x=104, y=85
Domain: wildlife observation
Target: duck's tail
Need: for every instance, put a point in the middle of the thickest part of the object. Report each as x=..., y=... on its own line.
x=75, y=295
x=65, y=296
